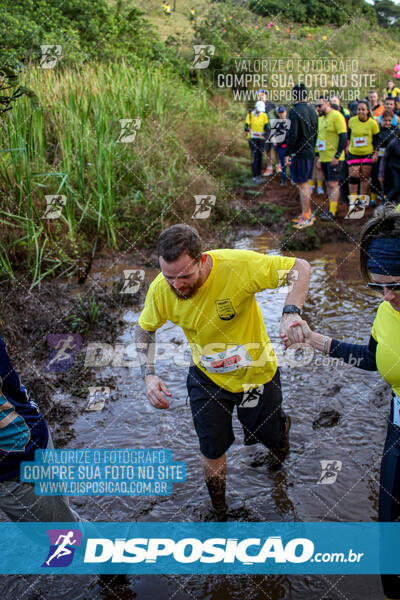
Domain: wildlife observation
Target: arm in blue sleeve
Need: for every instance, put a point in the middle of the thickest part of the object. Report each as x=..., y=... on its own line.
x=357, y=355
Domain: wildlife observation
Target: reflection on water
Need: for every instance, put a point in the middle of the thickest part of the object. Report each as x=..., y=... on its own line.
x=339, y=305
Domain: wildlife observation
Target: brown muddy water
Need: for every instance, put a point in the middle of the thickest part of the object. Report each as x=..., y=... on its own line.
x=339, y=305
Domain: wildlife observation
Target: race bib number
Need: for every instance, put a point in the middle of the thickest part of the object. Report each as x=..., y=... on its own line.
x=381, y=151
x=321, y=145
x=396, y=410
x=255, y=134
x=359, y=142
x=227, y=361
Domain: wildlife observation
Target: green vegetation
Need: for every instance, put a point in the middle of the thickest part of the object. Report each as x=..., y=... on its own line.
x=61, y=136
x=86, y=30
x=118, y=194
x=263, y=213
x=88, y=313
x=315, y=12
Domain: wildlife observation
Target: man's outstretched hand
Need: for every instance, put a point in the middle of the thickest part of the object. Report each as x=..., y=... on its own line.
x=156, y=390
x=292, y=330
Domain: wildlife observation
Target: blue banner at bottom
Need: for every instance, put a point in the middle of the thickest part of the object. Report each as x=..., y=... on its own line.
x=201, y=548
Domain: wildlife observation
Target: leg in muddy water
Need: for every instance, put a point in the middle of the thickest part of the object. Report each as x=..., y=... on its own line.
x=215, y=477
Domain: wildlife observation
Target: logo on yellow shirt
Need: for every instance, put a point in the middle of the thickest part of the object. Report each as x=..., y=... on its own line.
x=225, y=309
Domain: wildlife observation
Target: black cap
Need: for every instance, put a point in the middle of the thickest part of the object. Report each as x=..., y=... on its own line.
x=299, y=93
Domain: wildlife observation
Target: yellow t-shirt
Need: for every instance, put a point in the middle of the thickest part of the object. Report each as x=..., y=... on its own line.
x=386, y=331
x=394, y=92
x=222, y=320
x=256, y=124
x=330, y=126
x=361, y=135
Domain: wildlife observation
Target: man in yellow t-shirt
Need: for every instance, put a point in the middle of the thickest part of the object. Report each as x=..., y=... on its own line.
x=331, y=142
x=211, y=295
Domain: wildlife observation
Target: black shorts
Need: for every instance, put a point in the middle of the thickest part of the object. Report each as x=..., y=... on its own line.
x=301, y=169
x=268, y=146
x=259, y=412
x=333, y=173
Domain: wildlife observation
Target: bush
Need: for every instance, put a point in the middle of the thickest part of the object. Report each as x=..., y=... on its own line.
x=315, y=12
x=86, y=30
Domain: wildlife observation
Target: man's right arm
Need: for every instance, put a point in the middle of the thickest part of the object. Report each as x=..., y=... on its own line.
x=156, y=390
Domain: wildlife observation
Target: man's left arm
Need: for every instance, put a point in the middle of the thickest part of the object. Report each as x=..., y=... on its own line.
x=298, y=279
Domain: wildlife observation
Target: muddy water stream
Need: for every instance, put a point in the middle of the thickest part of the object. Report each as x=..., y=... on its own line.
x=339, y=305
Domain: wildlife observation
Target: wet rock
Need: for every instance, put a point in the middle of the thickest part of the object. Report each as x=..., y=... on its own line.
x=326, y=418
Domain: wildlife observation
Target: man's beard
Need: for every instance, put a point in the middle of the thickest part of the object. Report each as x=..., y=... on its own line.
x=189, y=292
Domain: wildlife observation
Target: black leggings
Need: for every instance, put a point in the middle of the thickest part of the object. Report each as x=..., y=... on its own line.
x=394, y=192
x=257, y=146
x=389, y=495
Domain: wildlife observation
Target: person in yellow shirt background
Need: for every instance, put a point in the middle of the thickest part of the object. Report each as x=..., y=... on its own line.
x=331, y=142
x=211, y=295
x=391, y=89
x=362, y=152
x=257, y=129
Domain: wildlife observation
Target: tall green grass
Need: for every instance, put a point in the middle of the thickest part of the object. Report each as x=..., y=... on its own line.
x=118, y=194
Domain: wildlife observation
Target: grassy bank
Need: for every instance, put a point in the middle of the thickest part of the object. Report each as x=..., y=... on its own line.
x=118, y=194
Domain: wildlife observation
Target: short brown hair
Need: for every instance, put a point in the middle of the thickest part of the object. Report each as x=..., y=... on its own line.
x=387, y=113
x=384, y=225
x=177, y=240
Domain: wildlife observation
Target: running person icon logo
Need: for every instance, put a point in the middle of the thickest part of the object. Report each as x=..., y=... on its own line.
x=204, y=204
x=61, y=552
x=357, y=205
x=54, y=206
x=202, y=56
x=329, y=471
x=129, y=128
x=133, y=280
x=63, y=349
x=51, y=54
x=279, y=129
x=251, y=395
